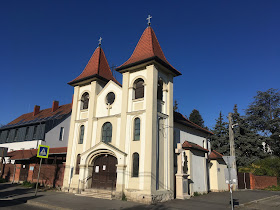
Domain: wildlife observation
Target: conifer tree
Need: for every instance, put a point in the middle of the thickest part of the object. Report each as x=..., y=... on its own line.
x=248, y=143
x=176, y=106
x=263, y=115
x=220, y=139
x=196, y=118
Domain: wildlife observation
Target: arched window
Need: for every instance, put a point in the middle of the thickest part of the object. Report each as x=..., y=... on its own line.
x=84, y=101
x=107, y=132
x=82, y=132
x=135, y=166
x=160, y=90
x=138, y=88
x=77, y=170
x=136, y=129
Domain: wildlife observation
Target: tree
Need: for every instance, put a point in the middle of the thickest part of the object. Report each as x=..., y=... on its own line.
x=220, y=139
x=263, y=115
x=176, y=106
x=248, y=143
x=196, y=118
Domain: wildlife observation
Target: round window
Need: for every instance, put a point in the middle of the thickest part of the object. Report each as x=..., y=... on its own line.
x=110, y=98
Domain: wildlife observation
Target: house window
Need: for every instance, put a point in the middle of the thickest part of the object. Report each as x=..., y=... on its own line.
x=82, y=131
x=61, y=134
x=16, y=135
x=138, y=89
x=78, y=164
x=135, y=166
x=84, y=100
x=35, y=132
x=136, y=129
x=107, y=132
x=7, y=137
x=160, y=90
x=26, y=133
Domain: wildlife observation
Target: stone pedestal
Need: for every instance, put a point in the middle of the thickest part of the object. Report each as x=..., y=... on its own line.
x=182, y=185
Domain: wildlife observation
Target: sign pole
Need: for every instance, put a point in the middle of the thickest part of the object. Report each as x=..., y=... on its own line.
x=38, y=177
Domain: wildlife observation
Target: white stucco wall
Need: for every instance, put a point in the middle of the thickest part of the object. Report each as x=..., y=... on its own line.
x=101, y=106
x=52, y=136
x=23, y=145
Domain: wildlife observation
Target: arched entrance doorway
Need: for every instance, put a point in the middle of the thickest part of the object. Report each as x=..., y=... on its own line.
x=104, y=174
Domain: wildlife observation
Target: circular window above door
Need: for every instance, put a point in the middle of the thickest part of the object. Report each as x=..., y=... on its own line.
x=110, y=98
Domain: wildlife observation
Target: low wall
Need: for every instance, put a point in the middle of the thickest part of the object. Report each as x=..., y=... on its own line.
x=262, y=182
x=50, y=175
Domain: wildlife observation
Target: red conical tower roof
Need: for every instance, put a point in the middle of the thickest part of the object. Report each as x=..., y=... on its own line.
x=97, y=67
x=147, y=49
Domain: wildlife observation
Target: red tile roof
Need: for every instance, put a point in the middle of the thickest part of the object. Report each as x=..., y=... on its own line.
x=147, y=47
x=190, y=145
x=43, y=114
x=180, y=118
x=97, y=67
x=214, y=155
x=27, y=154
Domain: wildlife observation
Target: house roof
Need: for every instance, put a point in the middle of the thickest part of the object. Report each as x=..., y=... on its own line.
x=147, y=49
x=214, y=155
x=97, y=67
x=180, y=118
x=27, y=154
x=42, y=116
x=190, y=145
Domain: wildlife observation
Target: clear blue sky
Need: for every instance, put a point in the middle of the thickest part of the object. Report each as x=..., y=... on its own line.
x=226, y=50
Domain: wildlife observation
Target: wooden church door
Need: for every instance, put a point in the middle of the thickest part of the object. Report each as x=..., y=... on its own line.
x=104, y=175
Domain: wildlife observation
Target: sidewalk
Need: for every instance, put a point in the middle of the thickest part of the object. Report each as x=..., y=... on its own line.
x=63, y=201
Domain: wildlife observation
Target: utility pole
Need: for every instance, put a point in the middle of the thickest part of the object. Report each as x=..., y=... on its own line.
x=231, y=145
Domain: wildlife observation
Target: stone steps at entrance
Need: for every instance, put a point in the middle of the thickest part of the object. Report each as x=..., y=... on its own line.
x=97, y=193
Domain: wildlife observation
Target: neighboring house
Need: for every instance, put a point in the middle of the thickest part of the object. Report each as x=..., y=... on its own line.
x=217, y=172
x=123, y=138
x=48, y=127
x=195, y=141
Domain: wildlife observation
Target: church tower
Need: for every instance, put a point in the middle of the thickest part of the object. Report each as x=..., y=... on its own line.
x=148, y=100
x=121, y=136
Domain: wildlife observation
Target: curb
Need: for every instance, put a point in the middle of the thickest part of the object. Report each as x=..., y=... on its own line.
x=48, y=206
x=256, y=201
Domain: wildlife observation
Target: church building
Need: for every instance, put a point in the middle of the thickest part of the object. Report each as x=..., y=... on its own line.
x=123, y=137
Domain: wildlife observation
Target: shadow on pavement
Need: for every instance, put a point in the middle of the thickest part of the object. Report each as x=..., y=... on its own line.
x=15, y=195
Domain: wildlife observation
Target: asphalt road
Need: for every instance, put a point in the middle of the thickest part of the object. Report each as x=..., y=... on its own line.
x=17, y=197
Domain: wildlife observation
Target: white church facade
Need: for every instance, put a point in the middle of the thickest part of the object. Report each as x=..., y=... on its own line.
x=123, y=138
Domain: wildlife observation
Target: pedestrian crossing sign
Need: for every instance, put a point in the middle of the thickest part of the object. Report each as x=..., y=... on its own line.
x=43, y=151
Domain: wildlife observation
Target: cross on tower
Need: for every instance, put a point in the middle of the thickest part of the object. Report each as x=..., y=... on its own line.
x=149, y=19
x=100, y=39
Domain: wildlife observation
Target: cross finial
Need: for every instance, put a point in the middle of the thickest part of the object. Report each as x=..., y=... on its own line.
x=99, y=43
x=149, y=20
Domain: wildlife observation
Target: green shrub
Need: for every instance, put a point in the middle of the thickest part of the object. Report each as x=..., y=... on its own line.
x=124, y=197
x=28, y=184
x=273, y=188
x=2, y=180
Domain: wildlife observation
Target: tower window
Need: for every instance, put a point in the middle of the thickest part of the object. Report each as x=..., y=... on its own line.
x=136, y=129
x=107, y=132
x=160, y=90
x=82, y=131
x=84, y=101
x=110, y=98
x=139, y=89
x=135, y=166
x=7, y=137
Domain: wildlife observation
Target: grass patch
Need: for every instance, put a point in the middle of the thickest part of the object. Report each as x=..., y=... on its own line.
x=28, y=184
x=124, y=197
x=273, y=188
